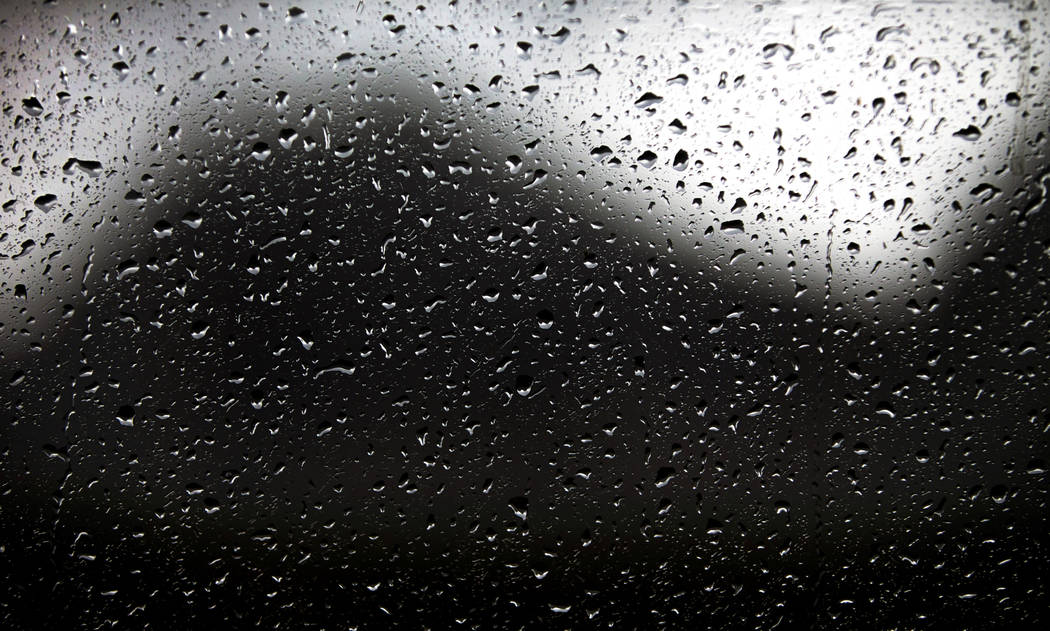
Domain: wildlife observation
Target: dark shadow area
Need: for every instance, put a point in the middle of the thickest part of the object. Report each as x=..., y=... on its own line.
x=333, y=358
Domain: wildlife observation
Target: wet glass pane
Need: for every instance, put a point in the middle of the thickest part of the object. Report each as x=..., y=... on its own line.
x=352, y=315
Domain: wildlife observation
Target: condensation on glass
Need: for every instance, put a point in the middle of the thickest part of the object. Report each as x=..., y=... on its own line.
x=528, y=315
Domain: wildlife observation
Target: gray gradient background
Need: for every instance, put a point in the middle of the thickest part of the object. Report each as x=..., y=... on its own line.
x=850, y=393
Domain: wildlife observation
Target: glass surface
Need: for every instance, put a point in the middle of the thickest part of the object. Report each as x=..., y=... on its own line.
x=350, y=315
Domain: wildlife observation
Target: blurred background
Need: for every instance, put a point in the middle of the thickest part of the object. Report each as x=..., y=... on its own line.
x=556, y=315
